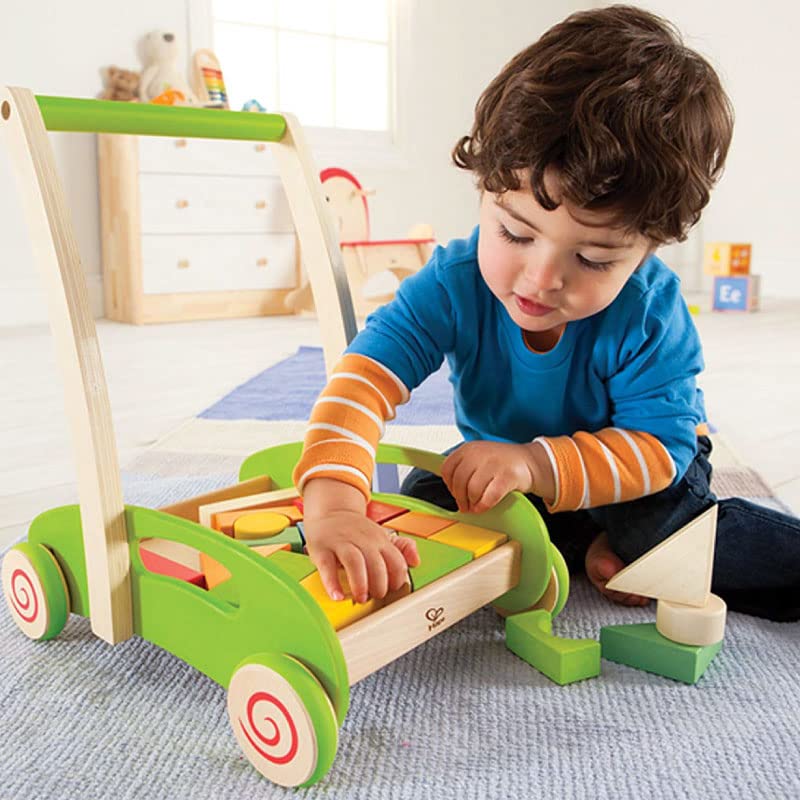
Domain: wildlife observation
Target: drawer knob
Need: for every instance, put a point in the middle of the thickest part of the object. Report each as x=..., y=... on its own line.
x=262, y=262
x=260, y=147
x=180, y=143
x=261, y=203
x=183, y=263
x=182, y=203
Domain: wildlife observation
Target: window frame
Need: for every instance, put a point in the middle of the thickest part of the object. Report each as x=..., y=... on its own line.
x=330, y=146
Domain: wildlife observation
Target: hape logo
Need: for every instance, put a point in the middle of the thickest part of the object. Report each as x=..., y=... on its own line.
x=435, y=616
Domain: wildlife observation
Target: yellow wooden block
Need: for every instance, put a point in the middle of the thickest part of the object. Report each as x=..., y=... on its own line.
x=214, y=571
x=340, y=613
x=479, y=541
x=259, y=524
x=418, y=524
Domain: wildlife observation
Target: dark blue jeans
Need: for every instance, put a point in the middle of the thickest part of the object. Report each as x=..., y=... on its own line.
x=757, y=555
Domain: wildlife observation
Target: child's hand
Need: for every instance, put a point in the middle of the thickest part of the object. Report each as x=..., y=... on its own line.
x=375, y=560
x=480, y=474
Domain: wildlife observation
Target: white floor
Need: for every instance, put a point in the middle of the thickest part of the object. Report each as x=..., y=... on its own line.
x=159, y=376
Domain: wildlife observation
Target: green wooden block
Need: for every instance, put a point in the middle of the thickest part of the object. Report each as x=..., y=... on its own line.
x=529, y=635
x=290, y=535
x=296, y=565
x=226, y=591
x=641, y=646
x=436, y=560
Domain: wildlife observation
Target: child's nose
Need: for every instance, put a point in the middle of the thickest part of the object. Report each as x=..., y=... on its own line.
x=545, y=275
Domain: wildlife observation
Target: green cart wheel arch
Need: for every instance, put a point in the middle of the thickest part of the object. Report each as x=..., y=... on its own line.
x=515, y=515
x=274, y=613
x=35, y=590
x=282, y=719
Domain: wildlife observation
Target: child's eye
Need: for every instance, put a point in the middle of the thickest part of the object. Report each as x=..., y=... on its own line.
x=601, y=266
x=509, y=237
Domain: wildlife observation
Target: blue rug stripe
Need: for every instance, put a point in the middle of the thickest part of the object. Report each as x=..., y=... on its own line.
x=287, y=391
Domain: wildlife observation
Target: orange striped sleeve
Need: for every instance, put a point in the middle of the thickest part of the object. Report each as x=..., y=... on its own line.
x=610, y=466
x=347, y=422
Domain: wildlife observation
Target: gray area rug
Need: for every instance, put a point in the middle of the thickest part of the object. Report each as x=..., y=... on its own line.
x=459, y=717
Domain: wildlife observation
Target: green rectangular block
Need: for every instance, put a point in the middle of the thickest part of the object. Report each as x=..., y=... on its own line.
x=290, y=535
x=436, y=560
x=641, y=646
x=295, y=565
x=529, y=635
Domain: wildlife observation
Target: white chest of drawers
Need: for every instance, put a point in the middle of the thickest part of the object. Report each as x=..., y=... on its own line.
x=193, y=229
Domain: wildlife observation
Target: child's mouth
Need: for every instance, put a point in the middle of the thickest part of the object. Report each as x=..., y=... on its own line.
x=532, y=308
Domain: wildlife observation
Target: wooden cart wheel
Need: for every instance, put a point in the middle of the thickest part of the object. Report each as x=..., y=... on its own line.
x=283, y=719
x=35, y=591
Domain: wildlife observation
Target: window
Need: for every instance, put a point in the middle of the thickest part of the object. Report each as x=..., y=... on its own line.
x=327, y=61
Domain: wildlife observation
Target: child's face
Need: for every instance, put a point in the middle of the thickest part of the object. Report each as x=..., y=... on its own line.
x=546, y=267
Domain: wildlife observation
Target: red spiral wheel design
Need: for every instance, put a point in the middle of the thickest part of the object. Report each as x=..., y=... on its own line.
x=23, y=596
x=282, y=718
x=270, y=747
x=35, y=591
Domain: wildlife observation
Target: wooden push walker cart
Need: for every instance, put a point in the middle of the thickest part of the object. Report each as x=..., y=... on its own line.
x=287, y=670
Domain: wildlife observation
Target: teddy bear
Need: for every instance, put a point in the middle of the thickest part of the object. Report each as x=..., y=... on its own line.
x=161, y=72
x=121, y=84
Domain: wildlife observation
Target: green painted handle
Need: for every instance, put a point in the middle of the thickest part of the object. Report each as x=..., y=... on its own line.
x=149, y=119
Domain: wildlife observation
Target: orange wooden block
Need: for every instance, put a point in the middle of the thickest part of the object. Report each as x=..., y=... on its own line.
x=292, y=511
x=214, y=571
x=418, y=524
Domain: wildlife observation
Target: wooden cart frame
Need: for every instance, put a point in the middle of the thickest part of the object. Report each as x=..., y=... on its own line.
x=88, y=555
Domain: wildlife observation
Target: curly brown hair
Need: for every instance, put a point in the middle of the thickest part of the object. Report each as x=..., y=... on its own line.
x=634, y=122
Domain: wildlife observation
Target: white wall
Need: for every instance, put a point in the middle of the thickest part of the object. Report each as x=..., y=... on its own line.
x=753, y=46
x=448, y=51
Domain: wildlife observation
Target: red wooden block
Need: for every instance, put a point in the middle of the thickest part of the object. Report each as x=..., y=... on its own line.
x=380, y=512
x=298, y=501
x=166, y=566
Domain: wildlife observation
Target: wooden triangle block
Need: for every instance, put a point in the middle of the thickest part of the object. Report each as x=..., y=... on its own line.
x=678, y=569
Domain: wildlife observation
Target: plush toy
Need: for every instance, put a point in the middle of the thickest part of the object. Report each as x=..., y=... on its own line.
x=161, y=70
x=121, y=84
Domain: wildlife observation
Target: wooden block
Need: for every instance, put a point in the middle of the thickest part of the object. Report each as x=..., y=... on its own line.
x=737, y=293
x=679, y=568
x=478, y=541
x=418, y=524
x=381, y=512
x=436, y=560
x=259, y=525
x=691, y=625
x=225, y=520
x=726, y=258
x=214, y=572
x=291, y=511
x=166, y=566
x=290, y=535
x=641, y=646
x=530, y=636
x=340, y=613
x=253, y=501
x=175, y=551
x=267, y=550
x=295, y=565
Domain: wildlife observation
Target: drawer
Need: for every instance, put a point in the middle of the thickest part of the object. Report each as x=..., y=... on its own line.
x=205, y=156
x=213, y=204
x=208, y=263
